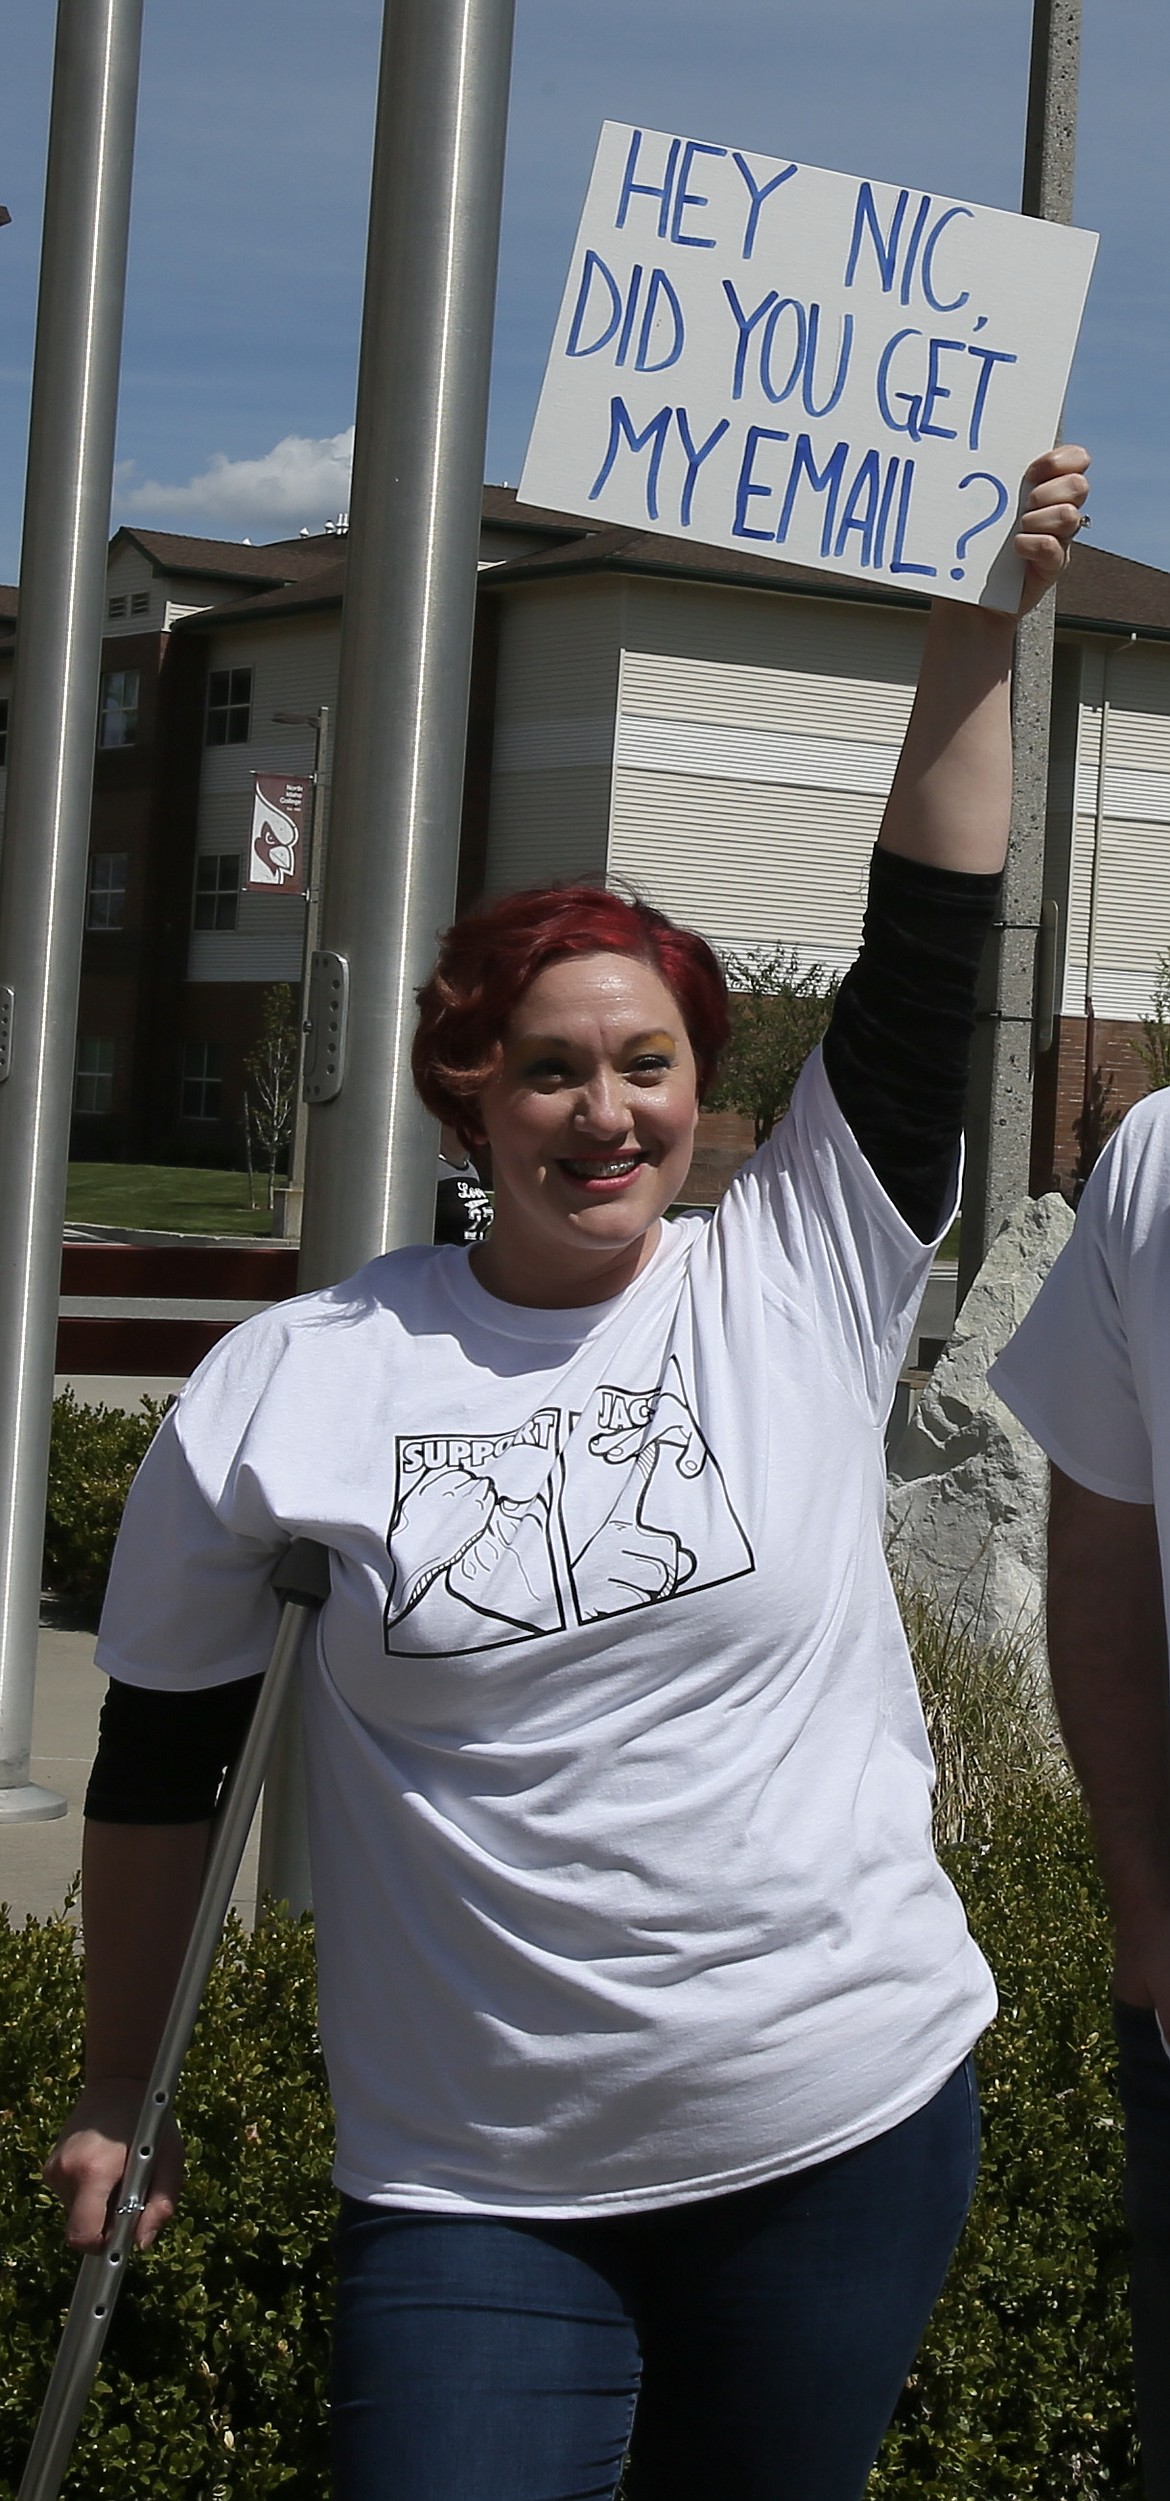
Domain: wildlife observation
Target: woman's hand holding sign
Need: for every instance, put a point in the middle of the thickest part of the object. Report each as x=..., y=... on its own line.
x=1051, y=518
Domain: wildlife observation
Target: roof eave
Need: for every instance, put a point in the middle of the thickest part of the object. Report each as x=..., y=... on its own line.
x=526, y=574
x=207, y=620
x=635, y=557
x=1119, y=629
x=179, y=571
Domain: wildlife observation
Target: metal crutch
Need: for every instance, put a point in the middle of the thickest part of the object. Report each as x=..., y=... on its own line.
x=301, y=1579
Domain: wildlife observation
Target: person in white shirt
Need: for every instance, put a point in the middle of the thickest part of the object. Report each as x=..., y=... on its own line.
x=1088, y=1373
x=647, y=2008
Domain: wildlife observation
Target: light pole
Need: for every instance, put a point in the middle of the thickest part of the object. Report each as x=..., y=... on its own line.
x=409, y=608
x=290, y=1200
x=50, y=782
x=999, y=1129
x=405, y=662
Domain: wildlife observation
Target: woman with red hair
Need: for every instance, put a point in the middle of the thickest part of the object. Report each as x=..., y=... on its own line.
x=647, y=2009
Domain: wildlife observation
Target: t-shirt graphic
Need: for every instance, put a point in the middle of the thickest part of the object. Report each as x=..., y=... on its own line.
x=568, y=1519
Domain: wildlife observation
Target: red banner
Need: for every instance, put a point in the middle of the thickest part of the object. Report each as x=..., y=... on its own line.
x=281, y=820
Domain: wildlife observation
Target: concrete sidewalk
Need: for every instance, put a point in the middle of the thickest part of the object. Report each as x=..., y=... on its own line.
x=39, y=1861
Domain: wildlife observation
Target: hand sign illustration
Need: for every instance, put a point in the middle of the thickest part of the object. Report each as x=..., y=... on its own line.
x=441, y=1518
x=566, y=1518
x=453, y=1527
x=629, y=1558
x=673, y=1423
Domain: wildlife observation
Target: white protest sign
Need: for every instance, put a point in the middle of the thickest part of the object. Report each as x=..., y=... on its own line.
x=839, y=373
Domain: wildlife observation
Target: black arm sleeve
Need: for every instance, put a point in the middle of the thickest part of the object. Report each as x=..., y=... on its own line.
x=899, y=1043
x=163, y=1758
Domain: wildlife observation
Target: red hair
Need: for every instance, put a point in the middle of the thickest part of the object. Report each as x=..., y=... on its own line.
x=489, y=956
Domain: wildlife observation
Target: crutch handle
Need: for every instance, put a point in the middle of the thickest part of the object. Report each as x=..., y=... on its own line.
x=301, y=1580
x=302, y=1573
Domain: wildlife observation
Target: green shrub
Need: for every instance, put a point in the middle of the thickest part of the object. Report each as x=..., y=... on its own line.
x=990, y=1732
x=1023, y=2389
x=213, y=2381
x=93, y=1455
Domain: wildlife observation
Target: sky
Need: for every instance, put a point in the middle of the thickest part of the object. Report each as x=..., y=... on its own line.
x=251, y=189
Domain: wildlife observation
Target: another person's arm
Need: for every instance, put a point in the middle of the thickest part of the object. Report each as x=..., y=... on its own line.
x=1107, y=1651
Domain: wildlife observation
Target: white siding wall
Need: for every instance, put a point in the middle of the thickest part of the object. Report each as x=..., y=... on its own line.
x=756, y=742
x=294, y=669
x=556, y=704
x=1133, y=871
x=128, y=571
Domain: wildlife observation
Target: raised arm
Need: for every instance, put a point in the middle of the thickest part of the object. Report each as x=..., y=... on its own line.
x=950, y=800
x=897, y=1050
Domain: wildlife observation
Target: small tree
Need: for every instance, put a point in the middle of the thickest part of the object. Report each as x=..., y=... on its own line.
x=1098, y=1120
x=1153, y=1047
x=778, y=1015
x=271, y=1070
x=248, y=1163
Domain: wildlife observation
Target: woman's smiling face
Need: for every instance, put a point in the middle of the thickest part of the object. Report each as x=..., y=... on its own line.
x=591, y=1123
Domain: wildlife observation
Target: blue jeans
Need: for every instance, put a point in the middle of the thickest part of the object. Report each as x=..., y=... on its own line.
x=1144, y=2079
x=750, y=2345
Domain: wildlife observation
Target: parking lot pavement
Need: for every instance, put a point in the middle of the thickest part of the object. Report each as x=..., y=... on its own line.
x=39, y=1861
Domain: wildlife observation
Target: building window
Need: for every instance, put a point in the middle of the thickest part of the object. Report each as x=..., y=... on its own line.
x=202, y=1081
x=118, y=726
x=140, y=603
x=217, y=890
x=229, y=707
x=106, y=897
x=116, y=607
x=3, y=731
x=93, y=1083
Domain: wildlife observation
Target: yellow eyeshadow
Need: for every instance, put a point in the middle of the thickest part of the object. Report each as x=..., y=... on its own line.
x=538, y=1054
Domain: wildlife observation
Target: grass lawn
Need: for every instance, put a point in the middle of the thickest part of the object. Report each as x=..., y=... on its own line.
x=165, y=1198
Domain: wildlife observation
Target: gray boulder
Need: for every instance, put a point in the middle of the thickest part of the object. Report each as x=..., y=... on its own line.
x=968, y=1490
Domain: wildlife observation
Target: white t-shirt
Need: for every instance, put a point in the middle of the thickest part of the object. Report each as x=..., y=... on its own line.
x=1088, y=1370
x=619, y=1785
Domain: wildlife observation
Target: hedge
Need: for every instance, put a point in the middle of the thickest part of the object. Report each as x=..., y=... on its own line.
x=93, y=1454
x=213, y=2383
x=1023, y=2390
x=213, y=2380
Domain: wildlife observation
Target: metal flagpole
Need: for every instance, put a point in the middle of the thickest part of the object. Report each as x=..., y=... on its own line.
x=50, y=779
x=999, y=1135
x=405, y=660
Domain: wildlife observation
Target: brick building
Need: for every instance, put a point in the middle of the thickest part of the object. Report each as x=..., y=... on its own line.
x=718, y=729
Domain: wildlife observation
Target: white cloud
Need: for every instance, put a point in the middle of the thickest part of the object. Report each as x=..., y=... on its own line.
x=301, y=482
